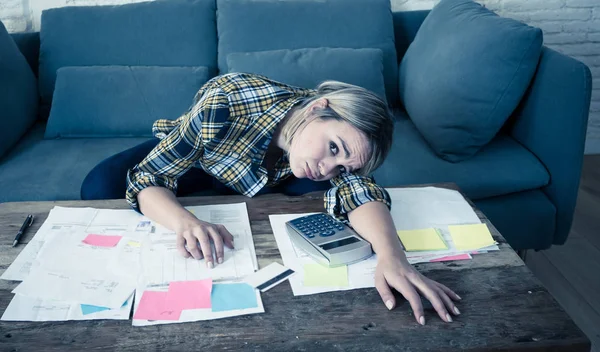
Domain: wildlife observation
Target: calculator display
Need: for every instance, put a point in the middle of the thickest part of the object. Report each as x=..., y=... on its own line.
x=335, y=244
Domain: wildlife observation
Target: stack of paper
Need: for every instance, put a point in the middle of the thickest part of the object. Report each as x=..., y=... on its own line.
x=434, y=224
x=86, y=263
x=440, y=223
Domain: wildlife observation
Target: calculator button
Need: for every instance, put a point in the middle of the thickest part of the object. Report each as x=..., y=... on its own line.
x=327, y=233
x=309, y=235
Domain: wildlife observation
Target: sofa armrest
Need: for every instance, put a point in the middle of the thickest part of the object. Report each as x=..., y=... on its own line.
x=551, y=122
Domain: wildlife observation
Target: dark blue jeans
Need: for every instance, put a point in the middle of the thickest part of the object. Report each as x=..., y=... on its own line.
x=107, y=180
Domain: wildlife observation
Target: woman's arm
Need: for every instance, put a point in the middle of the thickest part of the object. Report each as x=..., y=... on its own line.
x=374, y=223
x=152, y=184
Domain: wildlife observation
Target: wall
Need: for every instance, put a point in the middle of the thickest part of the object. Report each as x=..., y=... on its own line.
x=570, y=26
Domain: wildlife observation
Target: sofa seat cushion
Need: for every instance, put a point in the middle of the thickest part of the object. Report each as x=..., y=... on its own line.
x=465, y=73
x=249, y=25
x=307, y=68
x=151, y=33
x=120, y=101
x=38, y=169
x=503, y=166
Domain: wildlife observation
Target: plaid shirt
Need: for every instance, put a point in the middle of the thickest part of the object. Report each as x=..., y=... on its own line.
x=226, y=132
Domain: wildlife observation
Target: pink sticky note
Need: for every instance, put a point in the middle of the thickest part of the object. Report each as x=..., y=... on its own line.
x=102, y=240
x=190, y=294
x=153, y=306
x=452, y=257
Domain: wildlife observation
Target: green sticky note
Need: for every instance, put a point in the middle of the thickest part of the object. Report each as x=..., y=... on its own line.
x=472, y=236
x=422, y=240
x=319, y=275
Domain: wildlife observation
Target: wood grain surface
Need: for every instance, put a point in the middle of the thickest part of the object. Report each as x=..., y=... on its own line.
x=504, y=307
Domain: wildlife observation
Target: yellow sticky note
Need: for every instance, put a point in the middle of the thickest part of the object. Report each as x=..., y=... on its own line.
x=422, y=240
x=472, y=236
x=134, y=244
x=319, y=275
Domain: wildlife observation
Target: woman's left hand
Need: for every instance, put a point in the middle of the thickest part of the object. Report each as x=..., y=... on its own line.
x=395, y=272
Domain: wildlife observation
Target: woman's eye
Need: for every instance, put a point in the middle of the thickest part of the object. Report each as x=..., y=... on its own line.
x=333, y=147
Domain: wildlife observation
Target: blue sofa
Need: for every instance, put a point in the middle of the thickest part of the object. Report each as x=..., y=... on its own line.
x=525, y=179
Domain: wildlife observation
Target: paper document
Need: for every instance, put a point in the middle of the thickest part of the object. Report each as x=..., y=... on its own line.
x=62, y=220
x=162, y=262
x=85, y=263
x=432, y=207
x=358, y=275
x=95, y=290
x=23, y=308
x=62, y=249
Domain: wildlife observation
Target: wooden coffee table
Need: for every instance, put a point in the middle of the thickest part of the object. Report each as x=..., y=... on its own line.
x=504, y=306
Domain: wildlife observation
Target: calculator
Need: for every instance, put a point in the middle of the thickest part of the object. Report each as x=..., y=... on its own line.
x=327, y=240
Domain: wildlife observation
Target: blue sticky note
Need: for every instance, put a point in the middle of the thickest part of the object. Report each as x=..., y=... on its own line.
x=232, y=296
x=89, y=309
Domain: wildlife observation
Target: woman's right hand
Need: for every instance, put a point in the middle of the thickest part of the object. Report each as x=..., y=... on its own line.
x=194, y=237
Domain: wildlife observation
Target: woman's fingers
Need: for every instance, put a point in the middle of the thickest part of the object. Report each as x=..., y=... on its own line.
x=218, y=241
x=385, y=292
x=450, y=306
x=226, y=235
x=432, y=295
x=181, y=247
x=205, y=247
x=407, y=290
x=449, y=292
x=191, y=244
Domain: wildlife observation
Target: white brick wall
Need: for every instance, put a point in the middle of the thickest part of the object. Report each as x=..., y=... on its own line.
x=570, y=26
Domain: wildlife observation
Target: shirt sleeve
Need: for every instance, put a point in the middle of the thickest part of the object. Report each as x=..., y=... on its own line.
x=350, y=191
x=176, y=153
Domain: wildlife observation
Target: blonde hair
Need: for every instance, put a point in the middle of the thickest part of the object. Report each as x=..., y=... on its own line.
x=355, y=105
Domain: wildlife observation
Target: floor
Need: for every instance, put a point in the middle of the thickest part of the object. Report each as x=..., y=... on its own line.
x=572, y=272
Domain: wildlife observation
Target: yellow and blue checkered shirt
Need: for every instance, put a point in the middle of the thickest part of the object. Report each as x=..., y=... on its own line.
x=226, y=132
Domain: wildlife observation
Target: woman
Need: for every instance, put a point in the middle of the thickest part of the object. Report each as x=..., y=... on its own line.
x=251, y=135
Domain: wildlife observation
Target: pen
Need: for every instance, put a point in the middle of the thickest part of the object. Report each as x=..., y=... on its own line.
x=26, y=224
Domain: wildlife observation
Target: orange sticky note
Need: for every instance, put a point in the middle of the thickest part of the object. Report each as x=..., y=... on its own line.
x=189, y=294
x=102, y=240
x=154, y=306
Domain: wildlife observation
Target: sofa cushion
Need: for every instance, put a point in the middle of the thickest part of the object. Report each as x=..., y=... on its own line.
x=465, y=73
x=308, y=67
x=156, y=33
x=18, y=93
x=250, y=25
x=120, y=101
x=501, y=167
x=38, y=169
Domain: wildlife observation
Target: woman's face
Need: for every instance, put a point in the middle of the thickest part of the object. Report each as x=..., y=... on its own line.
x=325, y=148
